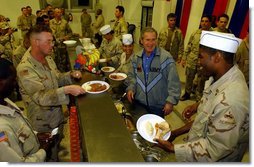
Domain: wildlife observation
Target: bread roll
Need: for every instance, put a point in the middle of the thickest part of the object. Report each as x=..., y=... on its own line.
x=161, y=129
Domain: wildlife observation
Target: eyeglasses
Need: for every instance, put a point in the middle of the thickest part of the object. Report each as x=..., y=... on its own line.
x=49, y=42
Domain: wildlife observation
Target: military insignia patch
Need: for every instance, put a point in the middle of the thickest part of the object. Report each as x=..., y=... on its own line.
x=24, y=73
x=3, y=137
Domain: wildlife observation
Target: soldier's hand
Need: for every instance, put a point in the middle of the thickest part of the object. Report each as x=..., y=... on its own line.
x=45, y=140
x=189, y=111
x=76, y=74
x=74, y=90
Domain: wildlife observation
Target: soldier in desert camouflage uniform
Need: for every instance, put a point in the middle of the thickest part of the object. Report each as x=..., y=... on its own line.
x=18, y=141
x=21, y=50
x=120, y=26
x=242, y=58
x=61, y=31
x=5, y=40
x=220, y=131
x=191, y=59
x=31, y=16
x=60, y=28
x=171, y=38
x=86, y=21
x=23, y=22
x=222, y=24
x=43, y=87
x=99, y=22
x=111, y=47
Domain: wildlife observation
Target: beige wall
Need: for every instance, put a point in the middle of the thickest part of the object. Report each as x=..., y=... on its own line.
x=11, y=8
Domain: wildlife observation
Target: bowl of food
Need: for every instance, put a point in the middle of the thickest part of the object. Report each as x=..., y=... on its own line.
x=70, y=43
x=118, y=76
x=107, y=69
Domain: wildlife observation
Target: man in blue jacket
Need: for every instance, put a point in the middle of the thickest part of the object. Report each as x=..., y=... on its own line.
x=154, y=81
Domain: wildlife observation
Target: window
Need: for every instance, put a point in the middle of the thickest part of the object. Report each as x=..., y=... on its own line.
x=69, y=4
x=147, y=17
x=78, y=4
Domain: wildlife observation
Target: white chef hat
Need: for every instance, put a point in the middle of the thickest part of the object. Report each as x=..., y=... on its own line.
x=105, y=29
x=127, y=39
x=221, y=41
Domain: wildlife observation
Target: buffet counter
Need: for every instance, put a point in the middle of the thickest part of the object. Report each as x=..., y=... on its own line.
x=104, y=136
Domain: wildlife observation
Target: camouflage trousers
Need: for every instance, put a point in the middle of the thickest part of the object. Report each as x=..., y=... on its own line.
x=189, y=85
x=87, y=32
x=61, y=58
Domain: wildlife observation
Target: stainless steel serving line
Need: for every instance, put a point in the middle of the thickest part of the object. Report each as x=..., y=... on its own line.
x=104, y=136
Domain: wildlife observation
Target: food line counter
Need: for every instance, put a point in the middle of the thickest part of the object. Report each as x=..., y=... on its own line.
x=104, y=136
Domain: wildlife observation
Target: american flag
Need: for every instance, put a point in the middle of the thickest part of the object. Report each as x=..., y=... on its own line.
x=3, y=137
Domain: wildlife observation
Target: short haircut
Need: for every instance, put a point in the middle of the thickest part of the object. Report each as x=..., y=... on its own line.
x=45, y=16
x=28, y=7
x=148, y=29
x=39, y=20
x=171, y=15
x=223, y=15
x=23, y=8
x=99, y=11
x=228, y=57
x=120, y=8
x=37, y=29
x=207, y=16
x=5, y=69
x=38, y=11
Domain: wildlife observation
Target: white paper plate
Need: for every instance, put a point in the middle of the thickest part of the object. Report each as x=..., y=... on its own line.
x=70, y=42
x=87, y=84
x=123, y=75
x=153, y=119
x=107, y=69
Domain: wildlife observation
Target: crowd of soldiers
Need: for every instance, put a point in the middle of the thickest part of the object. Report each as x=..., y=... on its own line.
x=35, y=43
x=53, y=23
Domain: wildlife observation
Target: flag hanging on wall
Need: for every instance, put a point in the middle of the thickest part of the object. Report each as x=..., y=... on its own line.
x=183, y=8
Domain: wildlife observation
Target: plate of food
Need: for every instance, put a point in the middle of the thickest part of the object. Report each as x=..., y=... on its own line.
x=118, y=76
x=107, y=69
x=152, y=127
x=95, y=87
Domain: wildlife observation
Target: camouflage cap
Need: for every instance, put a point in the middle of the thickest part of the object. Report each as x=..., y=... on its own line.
x=4, y=25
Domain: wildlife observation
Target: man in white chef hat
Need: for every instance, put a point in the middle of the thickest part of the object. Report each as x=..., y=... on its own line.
x=111, y=47
x=220, y=130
